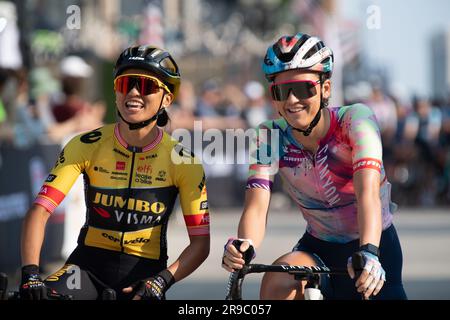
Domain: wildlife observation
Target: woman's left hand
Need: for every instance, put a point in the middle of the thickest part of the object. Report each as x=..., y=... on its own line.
x=372, y=277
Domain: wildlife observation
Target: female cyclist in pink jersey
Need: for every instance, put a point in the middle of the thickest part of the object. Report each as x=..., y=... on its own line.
x=331, y=161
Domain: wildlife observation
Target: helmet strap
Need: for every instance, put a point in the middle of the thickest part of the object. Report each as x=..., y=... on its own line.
x=139, y=125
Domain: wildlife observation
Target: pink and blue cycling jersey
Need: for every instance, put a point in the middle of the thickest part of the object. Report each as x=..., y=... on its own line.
x=321, y=184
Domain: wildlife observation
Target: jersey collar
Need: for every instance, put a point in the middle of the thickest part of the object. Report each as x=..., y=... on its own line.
x=148, y=147
x=328, y=135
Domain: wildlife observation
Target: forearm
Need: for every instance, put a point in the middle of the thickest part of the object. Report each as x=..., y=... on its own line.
x=253, y=220
x=191, y=257
x=252, y=226
x=369, y=219
x=32, y=237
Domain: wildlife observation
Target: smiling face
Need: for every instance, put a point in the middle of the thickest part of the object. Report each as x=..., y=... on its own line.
x=300, y=112
x=135, y=107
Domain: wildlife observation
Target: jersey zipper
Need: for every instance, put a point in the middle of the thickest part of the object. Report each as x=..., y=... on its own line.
x=130, y=181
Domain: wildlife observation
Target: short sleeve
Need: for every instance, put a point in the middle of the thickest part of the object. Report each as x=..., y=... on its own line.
x=191, y=182
x=364, y=137
x=70, y=163
x=264, y=159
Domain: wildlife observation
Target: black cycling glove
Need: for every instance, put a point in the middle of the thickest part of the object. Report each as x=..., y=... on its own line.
x=32, y=287
x=154, y=288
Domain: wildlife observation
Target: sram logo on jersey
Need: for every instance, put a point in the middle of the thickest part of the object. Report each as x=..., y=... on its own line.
x=128, y=203
x=367, y=163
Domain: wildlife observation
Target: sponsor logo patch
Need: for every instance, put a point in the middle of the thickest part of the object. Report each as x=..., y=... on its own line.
x=204, y=205
x=50, y=178
x=91, y=137
x=120, y=165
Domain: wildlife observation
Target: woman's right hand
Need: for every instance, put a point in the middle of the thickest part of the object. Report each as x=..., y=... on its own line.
x=235, y=253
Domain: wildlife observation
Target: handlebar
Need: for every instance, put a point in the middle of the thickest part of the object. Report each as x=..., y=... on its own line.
x=234, y=287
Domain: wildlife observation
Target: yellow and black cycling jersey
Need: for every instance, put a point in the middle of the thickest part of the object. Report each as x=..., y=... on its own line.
x=130, y=192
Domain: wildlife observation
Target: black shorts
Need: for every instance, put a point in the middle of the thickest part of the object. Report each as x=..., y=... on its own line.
x=335, y=255
x=89, y=271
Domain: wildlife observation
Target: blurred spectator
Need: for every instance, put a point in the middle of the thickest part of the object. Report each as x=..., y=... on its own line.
x=234, y=103
x=210, y=100
x=74, y=70
x=401, y=164
x=73, y=113
x=181, y=113
x=28, y=126
x=258, y=110
x=214, y=111
x=385, y=112
x=429, y=120
x=445, y=143
x=45, y=89
x=21, y=124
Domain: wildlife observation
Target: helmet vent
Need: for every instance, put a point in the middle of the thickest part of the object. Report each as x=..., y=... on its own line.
x=281, y=47
x=314, y=50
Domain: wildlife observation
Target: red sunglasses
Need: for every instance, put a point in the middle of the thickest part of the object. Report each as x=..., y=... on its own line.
x=302, y=89
x=145, y=84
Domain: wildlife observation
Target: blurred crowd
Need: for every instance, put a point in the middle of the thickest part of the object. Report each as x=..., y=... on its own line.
x=49, y=106
x=41, y=107
x=416, y=141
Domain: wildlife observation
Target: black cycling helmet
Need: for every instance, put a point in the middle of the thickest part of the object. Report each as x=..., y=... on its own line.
x=153, y=59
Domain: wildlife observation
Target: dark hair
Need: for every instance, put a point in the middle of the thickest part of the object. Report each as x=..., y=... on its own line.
x=163, y=118
x=72, y=86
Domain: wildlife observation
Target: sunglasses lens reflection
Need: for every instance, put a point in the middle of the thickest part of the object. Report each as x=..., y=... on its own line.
x=144, y=85
x=301, y=89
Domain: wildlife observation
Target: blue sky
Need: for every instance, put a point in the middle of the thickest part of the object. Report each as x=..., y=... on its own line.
x=403, y=41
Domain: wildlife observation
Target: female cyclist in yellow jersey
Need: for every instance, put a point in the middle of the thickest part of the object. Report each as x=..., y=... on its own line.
x=133, y=172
